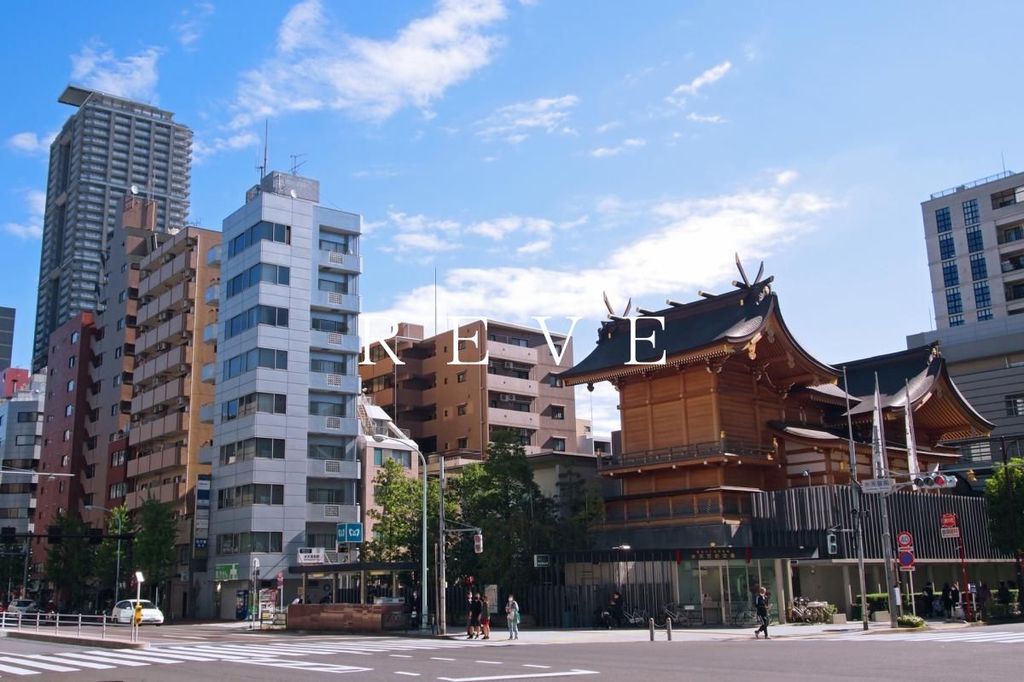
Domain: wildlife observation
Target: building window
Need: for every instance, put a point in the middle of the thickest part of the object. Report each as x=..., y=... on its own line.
x=956, y=320
x=320, y=408
x=947, y=249
x=1015, y=405
x=27, y=417
x=460, y=378
x=558, y=444
x=67, y=435
x=971, y=212
x=262, y=230
x=118, y=490
x=74, y=337
x=260, y=448
x=120, y=323
x=462, y=410
x=984, y=314
x=250, y=494
x=942, y=220
x=117, y=352
x=71, y=362
x=1008, y=197
x=261, y=272
x=558, y=412
x=953, y=303
x=974, y=241
x=268, y=358
x=69, y=410
x=71, y=386
x=950, y=274
x=978, y=268
x=982, y=296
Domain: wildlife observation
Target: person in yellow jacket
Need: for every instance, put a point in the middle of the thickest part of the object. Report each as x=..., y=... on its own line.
x=138, y=613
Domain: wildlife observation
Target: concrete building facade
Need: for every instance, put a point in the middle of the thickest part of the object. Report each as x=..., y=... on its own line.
x=285, y=467
x=21, y=441
x=107, y=147
x=509, y=381
x=7, y=316
x=175, y=355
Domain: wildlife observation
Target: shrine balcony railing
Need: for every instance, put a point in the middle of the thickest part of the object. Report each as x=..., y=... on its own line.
x=725, y=447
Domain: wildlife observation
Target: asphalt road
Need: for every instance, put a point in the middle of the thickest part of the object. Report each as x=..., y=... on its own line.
x=978, y=653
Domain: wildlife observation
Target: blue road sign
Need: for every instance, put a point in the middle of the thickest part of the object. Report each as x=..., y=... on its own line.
x=350, y=532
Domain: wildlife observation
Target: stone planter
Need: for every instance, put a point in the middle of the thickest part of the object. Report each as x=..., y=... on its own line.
x=880, y=617
x=838, y=618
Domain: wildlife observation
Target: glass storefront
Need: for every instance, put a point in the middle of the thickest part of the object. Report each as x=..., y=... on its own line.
x=724, y=591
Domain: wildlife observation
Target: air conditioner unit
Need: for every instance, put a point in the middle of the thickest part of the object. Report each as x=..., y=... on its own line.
x=160, y=408
x=163, y=345
x=182, y=402
x=506, y=397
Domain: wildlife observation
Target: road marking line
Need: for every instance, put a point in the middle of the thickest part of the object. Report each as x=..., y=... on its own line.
x=17, y=671
x=38, y=664
x=137, y=655
x=536, y=665
x=399, y=672
x=104, y=659
x=82, y=664
x=529, y=676
x=490, y=662
x=441, y=658
x=399, y=656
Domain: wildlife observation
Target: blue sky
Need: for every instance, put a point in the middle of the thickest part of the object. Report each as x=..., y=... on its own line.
x=538, y=153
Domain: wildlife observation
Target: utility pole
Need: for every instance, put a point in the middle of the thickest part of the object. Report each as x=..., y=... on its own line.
x=442, y=579
x=858, y=511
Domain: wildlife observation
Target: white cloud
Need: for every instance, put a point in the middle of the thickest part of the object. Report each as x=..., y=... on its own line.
x=538, y=246
x=603, y=152
x=605, y=127
x=30, y=143
x=609, y=204
x=514, y=122
x=202, y=150
x=691, y=246
x=134, y=77
x=785, y=177
x=497, y=229
x=317, y=66
x=35, y=202
x=699, y=118
x=192, y=24
x=709, y=76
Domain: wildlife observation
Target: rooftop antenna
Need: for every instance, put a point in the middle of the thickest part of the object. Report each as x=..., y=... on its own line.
x=296, y=164
x=1002, y=156
x=266, y=144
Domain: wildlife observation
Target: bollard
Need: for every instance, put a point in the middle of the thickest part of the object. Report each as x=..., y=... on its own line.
x=19, y=621
x=79, y=625
x=651, y=623
x=668, y=628
x=56, y=624
x=37, y=620
x=103, y=634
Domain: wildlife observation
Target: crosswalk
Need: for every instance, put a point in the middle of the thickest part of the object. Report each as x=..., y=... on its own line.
x=972, y=635
x=280, y=653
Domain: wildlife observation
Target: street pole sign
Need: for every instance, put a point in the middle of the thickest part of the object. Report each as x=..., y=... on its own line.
x=349, y=533
x=877, y=486
x=906, y=560
x=949, y=529
x=905, y=541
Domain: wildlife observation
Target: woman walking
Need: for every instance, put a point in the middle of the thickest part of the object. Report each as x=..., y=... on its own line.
x=761, y=604
x=485, y=616
x=512, y=616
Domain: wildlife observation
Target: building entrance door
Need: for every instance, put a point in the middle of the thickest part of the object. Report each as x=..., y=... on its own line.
x=713, y=597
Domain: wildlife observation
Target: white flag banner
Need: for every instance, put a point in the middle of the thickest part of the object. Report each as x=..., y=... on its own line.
x=912, y=465
x=880, y=463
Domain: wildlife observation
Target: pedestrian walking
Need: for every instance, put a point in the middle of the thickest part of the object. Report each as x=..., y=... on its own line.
x=512, y=616
x=485, y=617
x=929, y=599
x=474, y=617
x=947, y=600
x=761, y=604
x=954, y=597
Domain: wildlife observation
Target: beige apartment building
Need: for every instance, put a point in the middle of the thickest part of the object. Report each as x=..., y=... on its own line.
x=455, y=409
x=174, y=375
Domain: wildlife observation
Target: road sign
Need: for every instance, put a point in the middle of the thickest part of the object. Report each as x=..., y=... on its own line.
x=225, y=572
x=949, y=533
x=311, y=555
x=904, y=539
x=280, y=578
x=906, y=560
x=350, y=532
x=949, y=521
x=876, y=486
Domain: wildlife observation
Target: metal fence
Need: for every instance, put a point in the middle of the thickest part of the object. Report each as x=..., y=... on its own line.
x=65, y=624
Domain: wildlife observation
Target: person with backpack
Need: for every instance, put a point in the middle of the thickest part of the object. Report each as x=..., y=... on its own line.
x=761, y=605
x=512, y=616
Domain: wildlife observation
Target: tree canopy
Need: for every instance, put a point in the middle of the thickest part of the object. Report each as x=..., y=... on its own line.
x=154, y=543
x=1004, y=495
x=70, y=562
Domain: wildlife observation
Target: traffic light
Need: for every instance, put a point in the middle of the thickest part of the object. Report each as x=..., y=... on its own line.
x=935, y=480
x=833, y=544
x=478, y=543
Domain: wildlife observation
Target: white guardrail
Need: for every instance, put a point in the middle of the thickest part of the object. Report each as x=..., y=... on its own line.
x=67, y=624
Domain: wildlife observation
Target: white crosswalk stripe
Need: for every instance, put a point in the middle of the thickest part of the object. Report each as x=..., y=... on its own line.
x=285, y=653
x=966, y=637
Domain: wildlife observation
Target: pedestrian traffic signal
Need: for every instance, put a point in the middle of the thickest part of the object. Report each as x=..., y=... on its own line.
x=478, y=543
x=934, y=481
x=833, y=544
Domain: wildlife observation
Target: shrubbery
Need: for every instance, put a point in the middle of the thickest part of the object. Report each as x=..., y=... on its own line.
x=909, y=621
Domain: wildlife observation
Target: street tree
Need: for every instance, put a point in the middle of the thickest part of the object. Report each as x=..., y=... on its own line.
x=396, y=520
x=154, y=543
x=1004, y=495
x=70, y=563
x=119, y=522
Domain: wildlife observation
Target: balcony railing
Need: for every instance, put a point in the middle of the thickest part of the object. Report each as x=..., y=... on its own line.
x=725, y=447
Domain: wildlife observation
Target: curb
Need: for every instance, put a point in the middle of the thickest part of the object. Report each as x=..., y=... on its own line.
x=79, y=641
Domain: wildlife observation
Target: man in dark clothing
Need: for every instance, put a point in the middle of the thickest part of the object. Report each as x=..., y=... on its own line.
x=761, y=604
x=1003, y=593
x=929, y=599
x=475, y=607
x=615, y=609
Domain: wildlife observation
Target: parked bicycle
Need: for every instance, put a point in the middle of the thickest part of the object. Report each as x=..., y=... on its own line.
x=743, y=615
x=806, y=611
x=681, y=615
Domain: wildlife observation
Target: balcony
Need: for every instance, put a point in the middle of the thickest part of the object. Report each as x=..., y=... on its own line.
x=718, y=451
x=341, y=383
x=168, y=492
x=176, y=360
x=168, y=458
x=336, y=425
x=335, y=513
x=335, y=301
x=213, y=256
x=212, y=295
x=171, y=392
x=210, y=333
x=166, y=427
x=334, y=341
x=206, y=413
x=170, y=327
x=338, y=260
x=524, y=420
x=333, y=468
x=209, y=373
x=508, y=351
x=163, y=277
x=504, y=384
x=207, y=454
x=178, y=298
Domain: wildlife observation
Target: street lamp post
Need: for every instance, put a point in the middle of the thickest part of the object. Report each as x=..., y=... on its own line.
x=120, y=530
x=380, y=438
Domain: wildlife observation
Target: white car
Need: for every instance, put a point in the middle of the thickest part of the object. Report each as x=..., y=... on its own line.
x=124, y=612
x=24, y=606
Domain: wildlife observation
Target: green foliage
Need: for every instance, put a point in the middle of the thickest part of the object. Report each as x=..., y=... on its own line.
x=118, y=523
x=579, y=509
x=154, y=544
x=396, y=524
x=1000, y=612
x=909, y=621
x=1004, y=496
x=70, y=563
